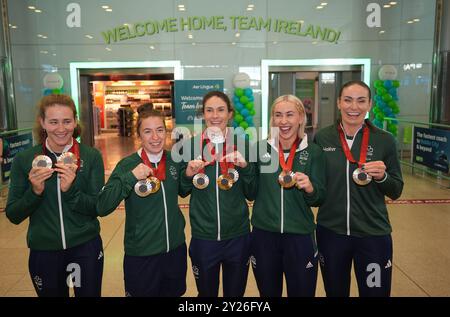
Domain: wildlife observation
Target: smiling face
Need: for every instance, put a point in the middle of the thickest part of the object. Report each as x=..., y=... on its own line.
x=59, y=123
x=287, y=118
x=152, y=134
x=354, y=103
x=216, y=113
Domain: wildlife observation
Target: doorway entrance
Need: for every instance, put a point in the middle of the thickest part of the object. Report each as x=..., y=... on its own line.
x=316, y=82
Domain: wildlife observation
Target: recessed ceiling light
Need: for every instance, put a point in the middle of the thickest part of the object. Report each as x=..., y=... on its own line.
x=38, y=11
x=237, y=34
x=382, y=31
x=152, y=47
x=108, y=10
x=416, y=20
x=410, y=22
x=249, y=9
x=386, y=6
x=251, y=5
x=319, y=7
x=323, y=3
x=31, y=7
x=393, y=3
x=105, y=7
x=108, y=49
x=44, y=37
x=190, y=36
x=233, y=43
x=43, y=52
x=182, y=9
x=181, y=6
x=89, y=36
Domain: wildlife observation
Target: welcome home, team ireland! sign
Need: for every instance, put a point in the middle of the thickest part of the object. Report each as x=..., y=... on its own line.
x=234, y=23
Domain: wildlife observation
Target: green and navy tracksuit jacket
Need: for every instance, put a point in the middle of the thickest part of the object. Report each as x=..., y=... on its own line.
x=351, y=209
x=217, y=214
x=52, y=228
x=281, y=210
x=153, y=224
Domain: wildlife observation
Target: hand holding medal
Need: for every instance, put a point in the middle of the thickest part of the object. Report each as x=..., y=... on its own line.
x=375, y=169
x=286, y=177
x=149, y=177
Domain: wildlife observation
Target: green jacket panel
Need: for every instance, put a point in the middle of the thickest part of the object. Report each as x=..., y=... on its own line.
x=365, y=214
x=217, y=214
x=288, y=210
x=153, y=224
x=78, y=203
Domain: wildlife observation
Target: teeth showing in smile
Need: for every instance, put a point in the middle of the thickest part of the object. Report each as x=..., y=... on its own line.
x=353, y=114
x=155, y=143
x=285, y=129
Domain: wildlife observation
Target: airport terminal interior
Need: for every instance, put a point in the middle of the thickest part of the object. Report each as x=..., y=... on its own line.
x=112, y=56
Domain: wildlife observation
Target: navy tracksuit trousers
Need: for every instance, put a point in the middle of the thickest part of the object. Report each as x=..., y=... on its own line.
x=80, y=267
x=275, y=254
x=371, y=256
x=207, y=256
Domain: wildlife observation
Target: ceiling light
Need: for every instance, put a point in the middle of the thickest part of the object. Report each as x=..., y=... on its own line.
x=152, y=47
x=410, y=22
x=416, y=20
x=237, y=34
x=323, y=3
x=387, y=6
x=251, y=5
x=393, y=3
x=38, y=11
x=105, y=7
x=89, y=36
x=233, y=43
x=108, y=49
x=31, y=7
x=249, y=9
x=108, y=10
x=319, y=7
x=382, y=31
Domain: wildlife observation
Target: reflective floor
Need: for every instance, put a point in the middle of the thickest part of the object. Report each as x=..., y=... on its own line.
x=421, y=235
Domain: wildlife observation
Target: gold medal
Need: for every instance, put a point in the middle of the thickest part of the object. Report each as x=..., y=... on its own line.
x=42, y=161
x=360, y=177
x=200, y=181
x=148, y=186
x=286, y=179
x=67, y=158
x=233, y=174
x=225, y=182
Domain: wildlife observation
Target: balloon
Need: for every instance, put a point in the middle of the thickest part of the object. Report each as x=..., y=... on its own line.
x=238, y=118
x=245, y=113
x=249, y=120
x=238, y=106
x=248, y=92
x=56, y=91
x=378, y=83
x=235, y=99
x=380, y=117
x=235, y=124
x=244, y=125
x=252, y=112
x=251, y=98
x=239, y=92
x=396, y=83
x=388, y=84
x=386, y=97
x=48, y=92
x=244, y=100
x=392, y=104
x=249, y=105
x=381, y=91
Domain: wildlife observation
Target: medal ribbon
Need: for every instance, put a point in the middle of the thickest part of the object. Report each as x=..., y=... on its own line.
x=363, y=150
x=75, y=149
x=286, y=166
x=160, y=171
x=224, y=166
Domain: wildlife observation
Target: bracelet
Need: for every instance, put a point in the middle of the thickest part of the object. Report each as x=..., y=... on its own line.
x=384, y=178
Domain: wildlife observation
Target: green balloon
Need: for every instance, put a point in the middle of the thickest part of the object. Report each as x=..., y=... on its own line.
x=381, y=91
x=386, y=97
x=378, y=83
x=375, y=110
x=243, y=124
x=243, y=100
x=56, y=91
x=249, y=105
x=396, y=83
x=396, y=110
x=252, y=112
x=239, y=92
x=392, y=104
x=238, y=118
x=380, y=117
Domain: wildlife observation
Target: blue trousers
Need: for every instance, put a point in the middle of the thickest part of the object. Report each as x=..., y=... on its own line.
x=372, y=259
x=159, y=275
x=207, y=256
x=81, y=267
x=275, y=254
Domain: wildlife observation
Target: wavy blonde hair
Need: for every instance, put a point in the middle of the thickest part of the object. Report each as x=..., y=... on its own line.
x=298, y=105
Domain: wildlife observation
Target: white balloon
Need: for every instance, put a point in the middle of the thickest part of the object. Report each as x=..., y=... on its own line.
x=53, y=81
x=387, y=72
x=241, y=80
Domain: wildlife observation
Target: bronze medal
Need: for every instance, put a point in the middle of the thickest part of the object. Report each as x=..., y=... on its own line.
x=200, y=181
x=67, y=158
x=233, y=174
x=286, y=179
x=148, y=186
x=225, y=182
x=360, y=177
x=42, y=161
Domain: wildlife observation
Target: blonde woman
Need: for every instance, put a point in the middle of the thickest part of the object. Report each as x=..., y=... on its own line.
x=282, y=240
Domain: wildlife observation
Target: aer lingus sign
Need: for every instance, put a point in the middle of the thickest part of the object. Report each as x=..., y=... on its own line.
x=220, y=23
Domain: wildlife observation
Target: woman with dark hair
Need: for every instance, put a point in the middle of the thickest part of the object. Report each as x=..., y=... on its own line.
x=55, y=184
x=155, y=260
x=353, y=224
x=218, y=177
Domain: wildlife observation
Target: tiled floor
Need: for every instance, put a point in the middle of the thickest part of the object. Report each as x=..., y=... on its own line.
x=421, y=236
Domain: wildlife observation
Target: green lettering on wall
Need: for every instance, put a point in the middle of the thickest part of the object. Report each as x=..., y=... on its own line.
x=108, y=35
